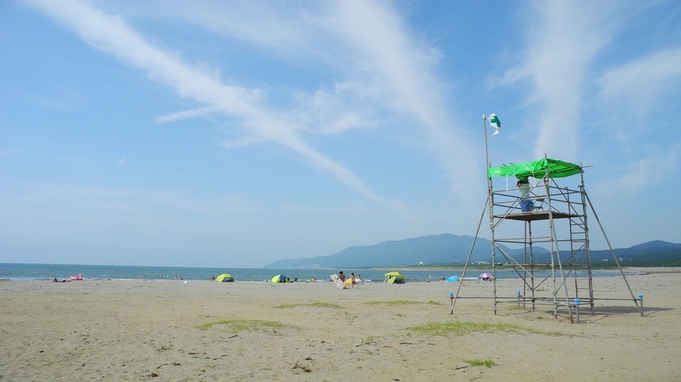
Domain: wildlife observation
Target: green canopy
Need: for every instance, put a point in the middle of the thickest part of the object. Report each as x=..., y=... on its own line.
x=225, y=277
x=536, y=169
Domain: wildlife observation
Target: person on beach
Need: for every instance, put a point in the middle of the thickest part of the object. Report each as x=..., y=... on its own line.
x=341, y=276
x=353, y=280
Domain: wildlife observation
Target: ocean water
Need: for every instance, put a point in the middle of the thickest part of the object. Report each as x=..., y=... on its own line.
x=32, y=272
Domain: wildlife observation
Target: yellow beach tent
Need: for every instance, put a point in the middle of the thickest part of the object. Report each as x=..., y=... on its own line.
x=280, y=279
x=224, y=278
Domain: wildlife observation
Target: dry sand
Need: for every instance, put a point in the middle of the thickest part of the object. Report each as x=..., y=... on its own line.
x=150, y=331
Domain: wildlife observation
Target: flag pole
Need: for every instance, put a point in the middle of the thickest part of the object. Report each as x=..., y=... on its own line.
x=490, y=205
x=484, y=125
x=487, y=204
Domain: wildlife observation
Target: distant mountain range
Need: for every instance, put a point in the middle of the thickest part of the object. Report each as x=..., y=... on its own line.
x=452, y=250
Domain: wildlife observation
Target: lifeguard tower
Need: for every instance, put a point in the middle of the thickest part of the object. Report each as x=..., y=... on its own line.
x=548, y=222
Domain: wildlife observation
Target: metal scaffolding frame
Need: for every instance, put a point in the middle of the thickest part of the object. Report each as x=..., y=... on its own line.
x=557, y=219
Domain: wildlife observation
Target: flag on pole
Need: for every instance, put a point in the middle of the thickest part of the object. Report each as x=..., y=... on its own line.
x=494, y=121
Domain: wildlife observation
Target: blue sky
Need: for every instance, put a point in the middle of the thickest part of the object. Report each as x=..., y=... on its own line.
x=234, y=134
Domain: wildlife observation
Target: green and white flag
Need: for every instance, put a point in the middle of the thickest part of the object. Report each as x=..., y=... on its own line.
x=494, y=121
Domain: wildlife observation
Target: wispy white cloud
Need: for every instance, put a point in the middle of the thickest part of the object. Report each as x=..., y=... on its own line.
x=636, y=85
x=383, y=68
x=237, y=143
x=398, y=68
x=563, y=38
x=643, y=174
x=8, y=152
x=113, y=35
x=632, y=94
x=564, y=41
x=123, y=161
x=334, y=111
x=383, y=65
x=290, y=32
x=180, y=115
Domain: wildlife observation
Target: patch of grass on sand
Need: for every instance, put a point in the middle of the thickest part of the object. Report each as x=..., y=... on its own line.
x=163, y=348
x=239, y=325
x=314, y=305
x=466, y=327
x=480, y=362
x=402, y=303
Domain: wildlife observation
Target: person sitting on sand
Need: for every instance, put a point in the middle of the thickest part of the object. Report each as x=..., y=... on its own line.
x=341, y=276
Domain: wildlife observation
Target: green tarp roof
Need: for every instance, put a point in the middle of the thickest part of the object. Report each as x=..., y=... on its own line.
x=536, y=169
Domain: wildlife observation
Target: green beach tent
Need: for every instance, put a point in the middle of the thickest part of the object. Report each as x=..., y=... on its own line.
x=224, y=278
x=280, y=279
x=394, y=278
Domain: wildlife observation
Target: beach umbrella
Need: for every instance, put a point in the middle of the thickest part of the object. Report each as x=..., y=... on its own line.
x=225, y=277
x=453, y=279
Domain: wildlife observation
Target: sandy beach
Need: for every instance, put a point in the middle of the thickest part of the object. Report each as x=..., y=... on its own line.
x=256, y=331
